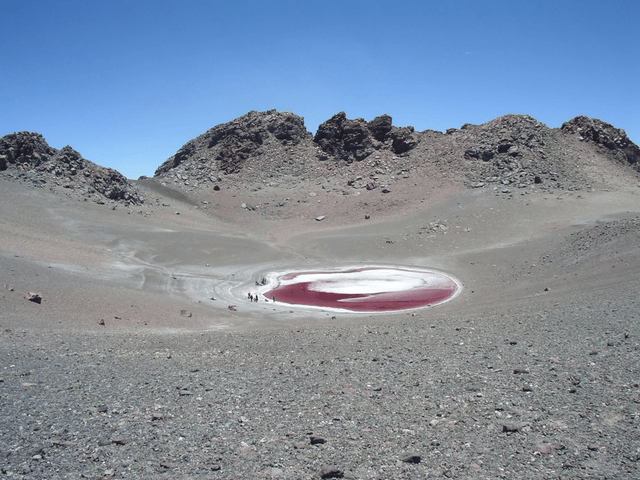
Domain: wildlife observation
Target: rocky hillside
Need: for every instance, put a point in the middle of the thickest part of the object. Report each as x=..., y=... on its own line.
x=508, y=153
x=605, y=136
x=262, y=145
x=517, y=151
x=27, y=157
x=226, y=148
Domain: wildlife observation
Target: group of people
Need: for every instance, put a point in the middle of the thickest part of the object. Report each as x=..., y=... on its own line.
x=254, y=298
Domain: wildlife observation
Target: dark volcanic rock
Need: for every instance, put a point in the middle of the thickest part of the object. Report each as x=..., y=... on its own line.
x=413, y=458
x=606, y=135
x=402, y=139
x=380, y=127
x=29, y=154
x=357, y=139
x=346, y=139
x=331, y=472
x=34, y=297
x=24, y=148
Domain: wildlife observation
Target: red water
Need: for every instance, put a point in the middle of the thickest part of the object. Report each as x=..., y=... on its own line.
x=300, y=294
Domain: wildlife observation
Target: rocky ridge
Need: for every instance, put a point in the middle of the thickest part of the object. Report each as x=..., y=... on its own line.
x=261, y=146
x=507, y=154
x=27, y=157
x=510, y=154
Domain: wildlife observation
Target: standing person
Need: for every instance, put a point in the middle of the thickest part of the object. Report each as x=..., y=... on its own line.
x=274, y=299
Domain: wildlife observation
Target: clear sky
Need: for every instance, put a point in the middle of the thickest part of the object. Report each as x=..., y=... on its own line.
x=127, y=83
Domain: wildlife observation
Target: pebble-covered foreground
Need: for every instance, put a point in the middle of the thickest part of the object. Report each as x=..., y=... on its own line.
x=539, y=393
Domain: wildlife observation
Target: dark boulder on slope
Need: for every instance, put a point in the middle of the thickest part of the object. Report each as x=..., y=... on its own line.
x=27, y=156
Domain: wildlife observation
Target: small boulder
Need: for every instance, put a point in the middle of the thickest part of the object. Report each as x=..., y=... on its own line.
x=331, y=472
x=413, y=458
x=34, y=297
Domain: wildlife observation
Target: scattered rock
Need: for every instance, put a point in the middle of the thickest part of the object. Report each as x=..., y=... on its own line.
x=511, y=427
x=34, y=297
x=331, y=472
x=544, y=448
x=412, y=458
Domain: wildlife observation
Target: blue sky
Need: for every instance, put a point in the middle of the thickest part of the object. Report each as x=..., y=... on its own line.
x=127, y=83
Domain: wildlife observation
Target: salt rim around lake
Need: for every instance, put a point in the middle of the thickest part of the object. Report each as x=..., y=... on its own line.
x=371, y=289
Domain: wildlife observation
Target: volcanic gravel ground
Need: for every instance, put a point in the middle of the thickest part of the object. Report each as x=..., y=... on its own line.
x=530, y=393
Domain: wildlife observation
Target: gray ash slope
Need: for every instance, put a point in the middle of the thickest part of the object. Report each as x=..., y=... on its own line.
x=27, y=157
x=510, y=152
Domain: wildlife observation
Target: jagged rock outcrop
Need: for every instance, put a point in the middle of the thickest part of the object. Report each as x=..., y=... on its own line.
x=24, y=148
x=355, y=140
x=27, y=155
x=227, y=146
x=606, y=135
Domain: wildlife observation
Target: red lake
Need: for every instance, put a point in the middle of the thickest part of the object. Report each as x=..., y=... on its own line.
x=373, y=289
